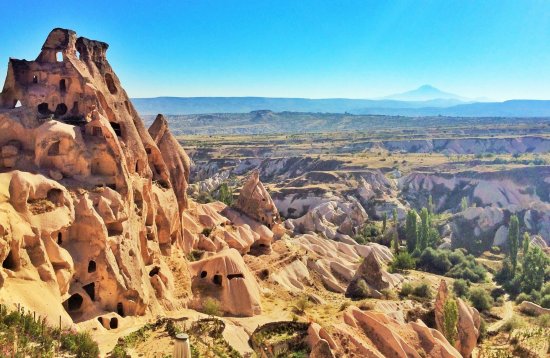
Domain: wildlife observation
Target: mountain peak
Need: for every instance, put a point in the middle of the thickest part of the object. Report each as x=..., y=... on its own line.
x=425, y=92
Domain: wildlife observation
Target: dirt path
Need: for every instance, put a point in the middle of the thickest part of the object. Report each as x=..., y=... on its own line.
x=507, y=313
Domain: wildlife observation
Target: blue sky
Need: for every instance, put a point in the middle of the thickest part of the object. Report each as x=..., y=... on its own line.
x=302, y=48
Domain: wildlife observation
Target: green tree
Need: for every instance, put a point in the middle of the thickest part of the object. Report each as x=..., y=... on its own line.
x=411, y=229
x=450, y=320
x=534, y=268
x=384, y=221
x=526, y=241
x=395, y=241
x=225, y=194
x=430, y=204
x=513, y=242
x=394, y=214
x=464, y=203
x=424, y=232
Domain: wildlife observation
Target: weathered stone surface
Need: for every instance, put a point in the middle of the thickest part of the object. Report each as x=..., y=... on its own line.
x=255, y=201
x=372, y=273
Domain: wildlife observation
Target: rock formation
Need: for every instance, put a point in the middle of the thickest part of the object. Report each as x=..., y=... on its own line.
x=255, y=201
x=371, y=278
x=468, y=324
x=99, y=236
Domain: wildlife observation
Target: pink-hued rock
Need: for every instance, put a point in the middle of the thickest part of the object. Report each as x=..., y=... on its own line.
x=255, y=201
x=226, y=278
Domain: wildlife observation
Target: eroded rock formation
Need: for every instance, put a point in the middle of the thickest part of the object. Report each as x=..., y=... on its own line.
x=98, y=236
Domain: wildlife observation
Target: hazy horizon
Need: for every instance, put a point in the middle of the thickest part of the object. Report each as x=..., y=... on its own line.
x=309, y=49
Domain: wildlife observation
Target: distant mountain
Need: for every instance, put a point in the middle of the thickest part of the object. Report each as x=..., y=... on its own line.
x=426, y=93
x=198, y=105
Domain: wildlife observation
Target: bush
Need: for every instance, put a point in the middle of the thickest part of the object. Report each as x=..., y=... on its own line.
x=545, y=301
x=543, y=321
x=80, y=344
x=302, y=304
x=211, y=307
x=406, y=289
x=435, y=261
x=522, y=297
x=422, y=290
x=452, y=264
x=480, y=299
x=450, y=320
x=513, y=323
x=461, y=288
x=403, y=261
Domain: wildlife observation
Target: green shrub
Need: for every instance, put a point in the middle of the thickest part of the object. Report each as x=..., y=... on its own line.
x=211, y=307
x=545, y=301
x=450, y=320
x=403, y=261
x=422, y=290
x=406, y=289
x=513, y=323
x=543, y=321
x=480, y=299
x=80, y=344
x=461, y=288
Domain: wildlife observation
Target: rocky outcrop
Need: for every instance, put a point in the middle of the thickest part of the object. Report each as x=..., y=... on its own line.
x=374, y=334
x=95, y=239
x=468, y=324
x=371, y=278
x=533, y=308
x=255, y=201
x=226, y=278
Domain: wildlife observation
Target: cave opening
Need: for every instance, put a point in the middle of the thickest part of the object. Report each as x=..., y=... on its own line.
x=59, y=56
x=53, y=149
x=116, y=128
x=91, y=266
x=10, y=262
x=59, y=238
x=55, y=196
x=120, y=309
x=75, y=302
x=204, y=274
x=35, y=79
x=235, y=275
x=90, y=290
x=62, y=86
x=43, y=108
x=17, y=104
x=110, y=83
x=61, y=109
x=113, y=323
x=154, y=271
x=217, y=279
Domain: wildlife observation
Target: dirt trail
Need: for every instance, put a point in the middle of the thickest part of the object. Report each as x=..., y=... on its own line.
x=507, y=313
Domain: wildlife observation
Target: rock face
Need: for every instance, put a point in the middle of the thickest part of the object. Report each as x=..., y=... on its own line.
x=374, y=334
x=226, y=278
x=371, y=278
x=256, y=202
x=97, y=241
x=468, y=324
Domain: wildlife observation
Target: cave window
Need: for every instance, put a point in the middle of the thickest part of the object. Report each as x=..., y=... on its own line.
x=100, y=319
x=91, y=266
x=148, y=150
x=90, y=290
x=113, y=323
x=59, y=238
x=75, y=302
x=43, y=109
x=9, y=262
x=78, y=54
x=217, y=279
x=59, y=56
x=111, y=186
x=61, y=109
x=120, y=309
x=204, y=274
x=235, y=275
x=55, y=196
x=54, y=149
x=62, y=86
x=116, y=128
x=110, y=83
x=154, y=271
x=34, y=79
x=17, y=104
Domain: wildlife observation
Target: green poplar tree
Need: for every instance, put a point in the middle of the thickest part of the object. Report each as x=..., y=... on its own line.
x=513, y=242
x=450, y=320
x=384, y=221
x=424, y=231
x=411, y=230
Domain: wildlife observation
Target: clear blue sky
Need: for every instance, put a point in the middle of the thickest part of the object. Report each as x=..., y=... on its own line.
x=301, y=48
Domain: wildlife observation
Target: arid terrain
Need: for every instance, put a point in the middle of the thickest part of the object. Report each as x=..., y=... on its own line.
x=262, y=234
